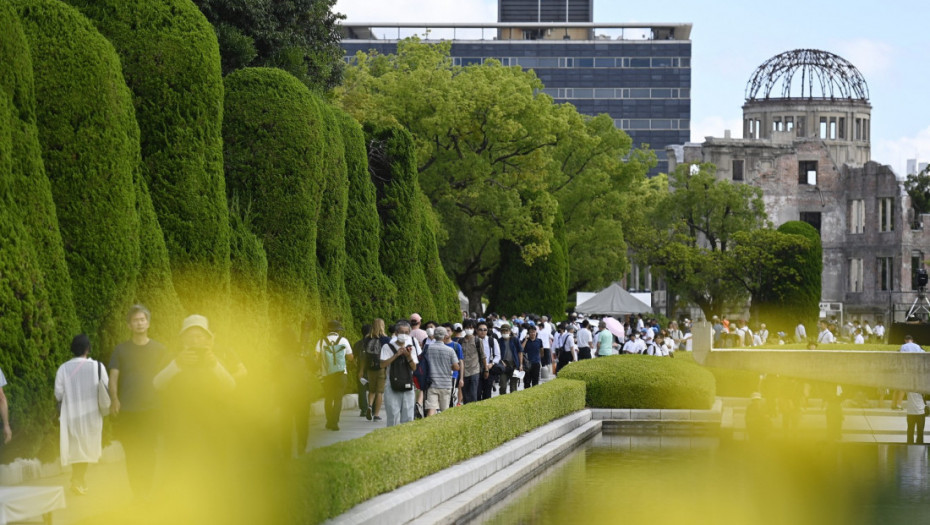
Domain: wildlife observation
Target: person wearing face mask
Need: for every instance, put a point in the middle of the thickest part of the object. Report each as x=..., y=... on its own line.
x=475, y=362
x=512, y=357
x=430, y=328
x=418, y=333
x=400, y=353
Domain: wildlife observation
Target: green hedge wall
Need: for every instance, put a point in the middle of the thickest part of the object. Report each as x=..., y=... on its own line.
x=272, y=135
x=90, y=148
x=35, y=289
x=445, y=292
x=641, y=381
x=392, y=161
x=333, y=479
x=330, y=238
x=371, y=294
x=171, y=63
x=541, y=287
x=248, y=291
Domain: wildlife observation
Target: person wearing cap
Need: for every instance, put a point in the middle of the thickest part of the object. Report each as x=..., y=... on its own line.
x=134, y=404
x=416, y=332
x=196, y=357
x=333, y=350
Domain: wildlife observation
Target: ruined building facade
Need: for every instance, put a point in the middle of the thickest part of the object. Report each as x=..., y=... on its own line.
x=806, y=123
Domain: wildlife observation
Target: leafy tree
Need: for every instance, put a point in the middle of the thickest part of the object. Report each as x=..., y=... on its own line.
x=918, y=187
x=591, y=185
x=300, y=36
x=801, y=299
x=496, y=158
x=90, y=148
x=692, y=227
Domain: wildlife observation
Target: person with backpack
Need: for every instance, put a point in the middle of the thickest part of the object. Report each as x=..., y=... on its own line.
x=374, y=341
x=399, y=357
x=333, y=350
x=442, y=362
x=567, y=349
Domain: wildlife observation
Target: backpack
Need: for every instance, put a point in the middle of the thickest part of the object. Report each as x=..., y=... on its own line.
x=373, y=353
x=421, y=376
x=400, y=374
x=334, y=356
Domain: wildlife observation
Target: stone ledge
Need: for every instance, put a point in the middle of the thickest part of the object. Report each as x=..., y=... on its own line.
x=415, y=499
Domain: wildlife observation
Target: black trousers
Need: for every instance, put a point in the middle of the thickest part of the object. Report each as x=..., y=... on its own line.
x=532, y=375
x=485, y=385
x=334, y=385
x=565, y=357
x=584, y=353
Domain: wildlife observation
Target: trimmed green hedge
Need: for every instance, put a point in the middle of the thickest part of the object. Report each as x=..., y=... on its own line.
x=36, y=316
x=371, y=294
x=90, y=148
x=330, y=237
x=333, y=479
x=248, y=291
x=445, y=292
x=641, y=381
x=272, y=141
x=392, y=160
x=171, y=62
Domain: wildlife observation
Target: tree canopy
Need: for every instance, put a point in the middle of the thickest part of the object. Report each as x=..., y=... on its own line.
x=497, y=159
x=298, y=36
x=918, y=188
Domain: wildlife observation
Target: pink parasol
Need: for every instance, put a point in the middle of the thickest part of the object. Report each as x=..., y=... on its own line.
x=615, y=327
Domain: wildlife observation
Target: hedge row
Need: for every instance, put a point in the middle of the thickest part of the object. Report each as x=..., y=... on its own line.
x=90, y=149
x=638, y=381
x=333, y=479
x=171, y=62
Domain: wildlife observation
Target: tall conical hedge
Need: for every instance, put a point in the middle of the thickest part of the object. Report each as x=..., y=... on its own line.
x=36, y=314
x=392, y=160
x=330, y=239
x=541, y=287
x=171, y=63
x=445, y=293
x=273, y=138
x=371, y=293
x=90, y=148
x=248, y=291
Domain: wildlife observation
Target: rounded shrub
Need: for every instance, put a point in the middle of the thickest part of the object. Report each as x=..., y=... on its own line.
x=799, y=301
x=639, y=381
x=330, y=238
x=171, y=62
x=250, y=330
x=273, y=138
x=35, y=290
x=90, y=148
x=371, y=294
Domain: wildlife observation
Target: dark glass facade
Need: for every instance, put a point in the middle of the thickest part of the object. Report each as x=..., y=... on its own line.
x=645, y=86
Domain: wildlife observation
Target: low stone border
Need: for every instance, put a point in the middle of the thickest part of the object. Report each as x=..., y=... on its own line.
x=435, y=492
x=714, y=415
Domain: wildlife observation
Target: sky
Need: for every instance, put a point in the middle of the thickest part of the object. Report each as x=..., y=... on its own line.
x=888, y=43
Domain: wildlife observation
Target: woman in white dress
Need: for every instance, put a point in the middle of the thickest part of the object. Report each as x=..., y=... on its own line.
x=81, y=422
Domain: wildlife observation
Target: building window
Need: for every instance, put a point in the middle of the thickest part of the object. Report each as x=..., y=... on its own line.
x=738, y=170
x=858, y=129
x=812, y=218
x=886, y=214
x=856, y=216
x=885, y=273
x=789, y=123
x=842, y=127
x=855, y=275
x=823, y=127
x=802, y=121
x=777, y=125
x=807, y=172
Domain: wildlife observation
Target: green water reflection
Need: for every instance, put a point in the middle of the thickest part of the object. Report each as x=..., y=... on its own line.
x=680, y=480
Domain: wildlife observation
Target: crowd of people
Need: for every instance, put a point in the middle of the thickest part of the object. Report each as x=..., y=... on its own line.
x=735, y=334
x=418, y=368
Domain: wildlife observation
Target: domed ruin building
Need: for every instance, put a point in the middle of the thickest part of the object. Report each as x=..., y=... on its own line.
x=807, y=133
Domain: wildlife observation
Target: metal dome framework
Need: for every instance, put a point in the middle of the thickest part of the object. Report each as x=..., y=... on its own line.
x=808, y=69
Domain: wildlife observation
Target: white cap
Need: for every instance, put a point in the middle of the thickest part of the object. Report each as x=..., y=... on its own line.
x=198, y=321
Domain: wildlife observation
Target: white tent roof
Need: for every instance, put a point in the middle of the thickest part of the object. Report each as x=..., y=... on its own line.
x=613, y=300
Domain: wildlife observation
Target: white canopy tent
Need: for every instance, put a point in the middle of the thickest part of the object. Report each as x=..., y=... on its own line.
x=613, y=300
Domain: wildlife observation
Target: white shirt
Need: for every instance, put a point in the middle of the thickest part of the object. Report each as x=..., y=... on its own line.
x=490, y=357
x=825, y=336
x=630, y=346
x=584, y=338
x=544, y=333
x=800, y=333
x=387, y=351
x=879, y=330
x=81, y=422
x=335, y=339
x=859, y=339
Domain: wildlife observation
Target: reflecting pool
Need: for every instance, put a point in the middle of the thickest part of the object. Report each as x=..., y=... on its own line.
x=704, y=480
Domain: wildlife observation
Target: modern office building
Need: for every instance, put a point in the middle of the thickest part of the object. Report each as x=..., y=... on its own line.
x=806, y=143
x=639, y=74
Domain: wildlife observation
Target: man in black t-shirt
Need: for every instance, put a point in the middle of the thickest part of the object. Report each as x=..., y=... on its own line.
x=133, y=365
